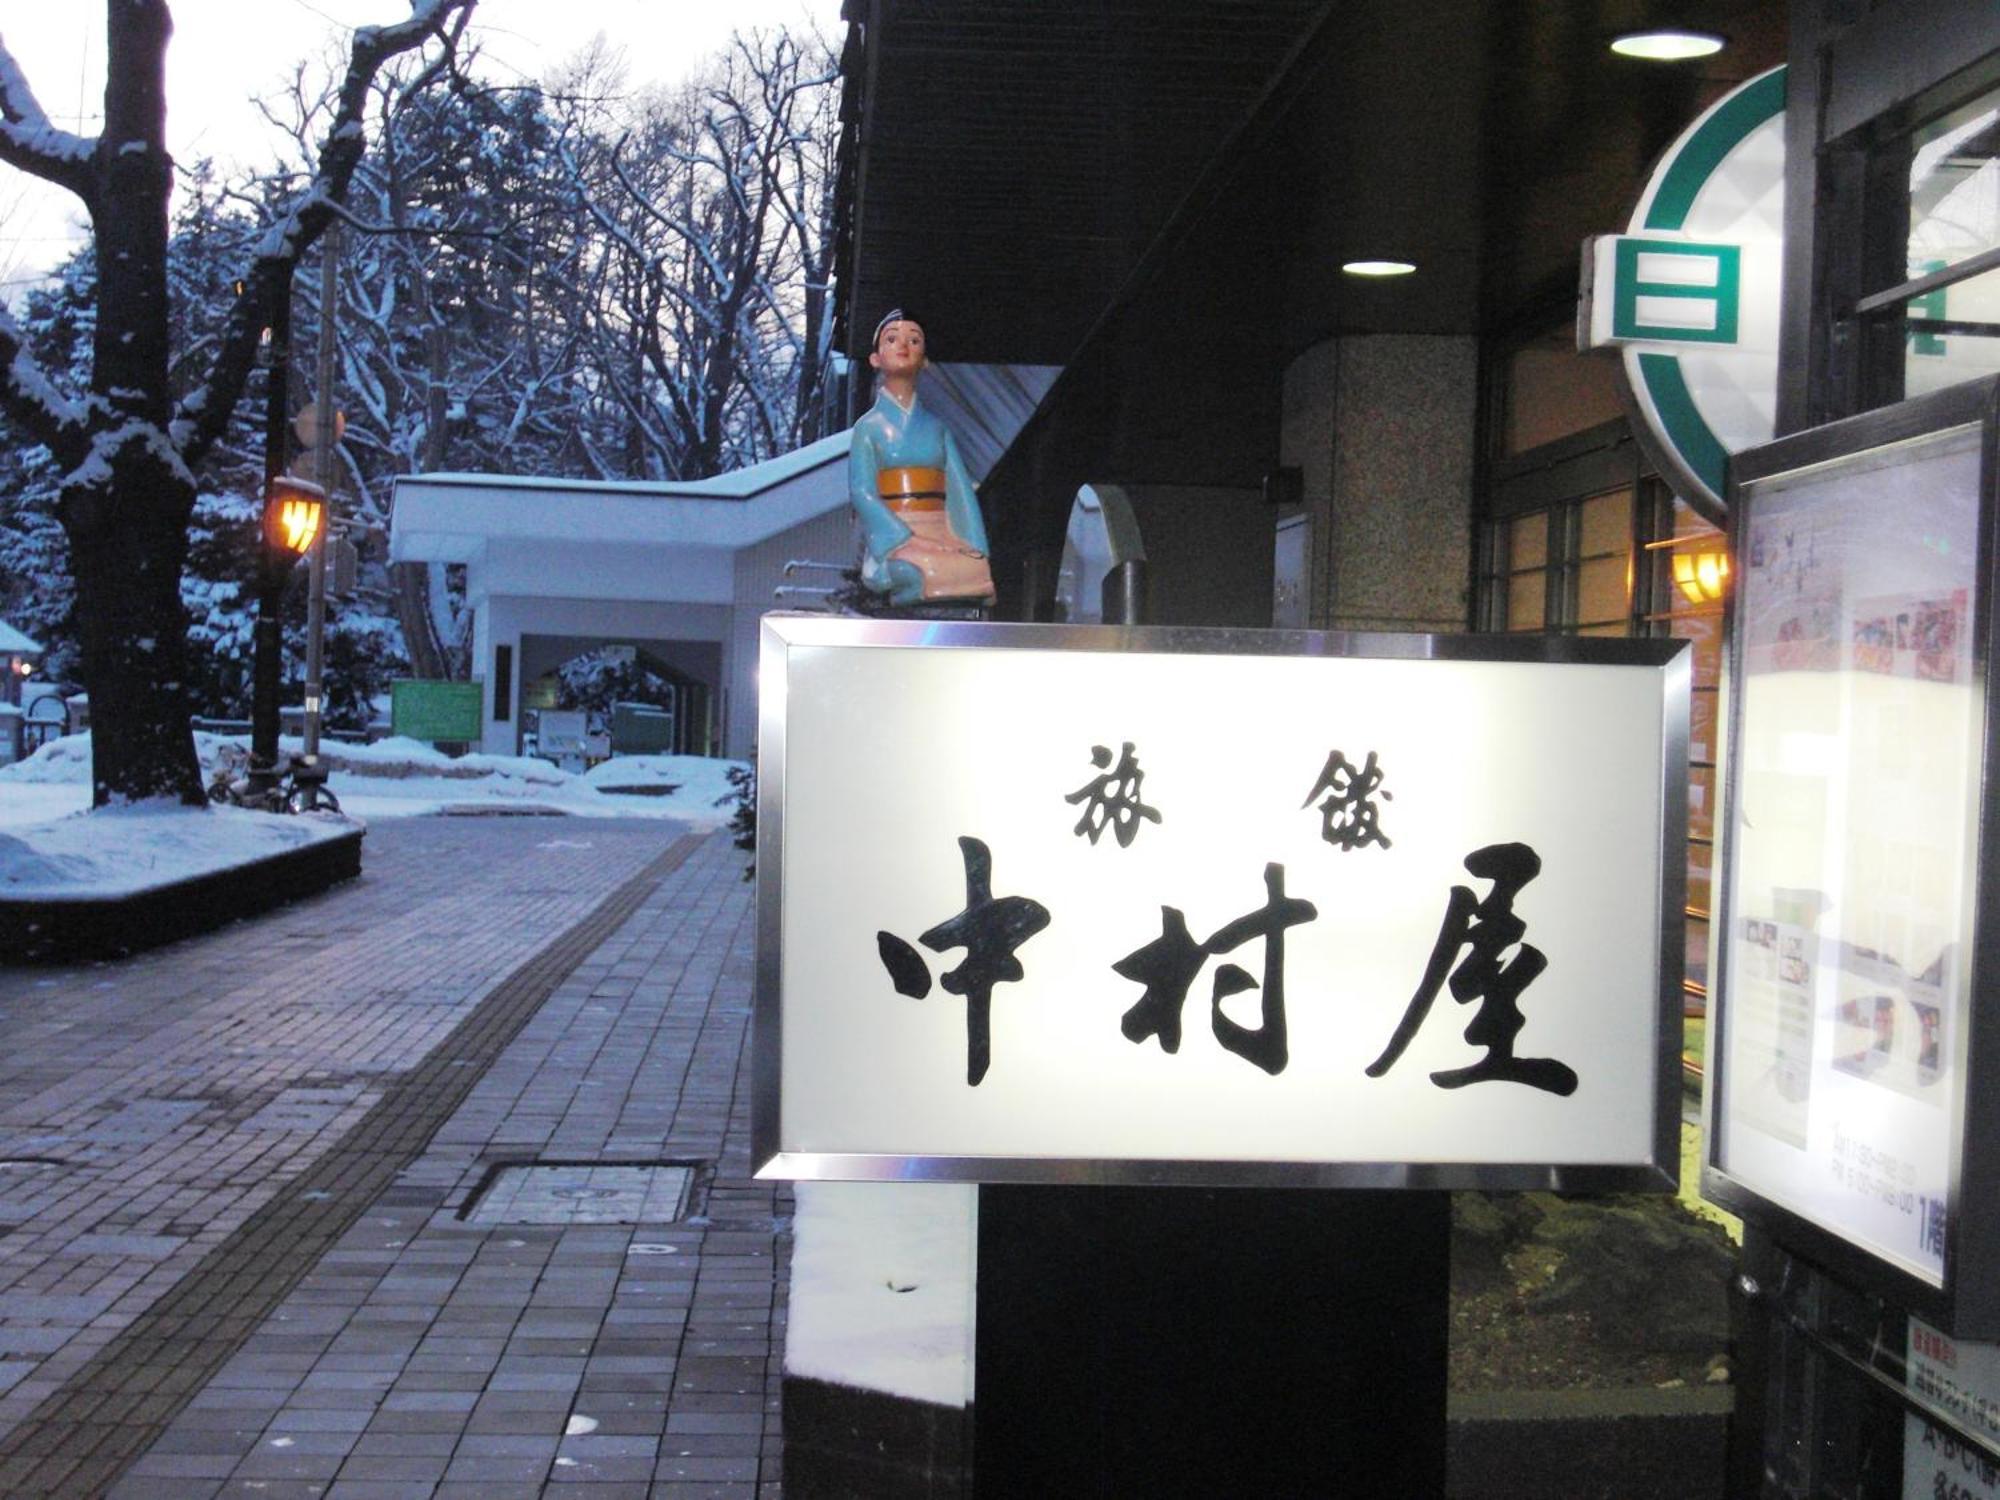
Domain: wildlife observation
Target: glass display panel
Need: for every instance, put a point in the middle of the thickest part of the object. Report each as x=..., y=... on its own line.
x=1851, y=828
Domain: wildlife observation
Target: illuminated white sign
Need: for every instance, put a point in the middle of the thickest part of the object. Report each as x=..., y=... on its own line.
x=1043, y=903
x=1689, y=293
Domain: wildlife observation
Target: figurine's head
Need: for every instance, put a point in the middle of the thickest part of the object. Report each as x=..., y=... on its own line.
x=899, y=345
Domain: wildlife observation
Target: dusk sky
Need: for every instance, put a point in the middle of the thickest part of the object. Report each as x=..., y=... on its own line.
x=225, y=52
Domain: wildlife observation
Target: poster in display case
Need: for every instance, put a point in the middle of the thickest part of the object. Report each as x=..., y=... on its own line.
x=1852, y=1079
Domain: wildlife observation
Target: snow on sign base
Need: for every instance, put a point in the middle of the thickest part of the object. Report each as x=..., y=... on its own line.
x=1050, y=903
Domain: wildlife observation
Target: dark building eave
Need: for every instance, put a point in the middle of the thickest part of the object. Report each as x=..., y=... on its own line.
x=1480, y=141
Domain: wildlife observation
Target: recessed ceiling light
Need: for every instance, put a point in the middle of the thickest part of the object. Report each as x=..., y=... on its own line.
x=1378, y=267
x=1667, y=46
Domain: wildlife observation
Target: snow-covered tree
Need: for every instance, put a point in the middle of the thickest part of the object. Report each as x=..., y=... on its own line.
x=451, y=354
x=712, y=212
x=126, y=446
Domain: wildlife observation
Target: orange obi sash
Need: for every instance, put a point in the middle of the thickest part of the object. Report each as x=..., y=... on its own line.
x=911, y=489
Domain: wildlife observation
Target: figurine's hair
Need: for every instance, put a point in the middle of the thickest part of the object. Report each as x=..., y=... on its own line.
x=893, y=315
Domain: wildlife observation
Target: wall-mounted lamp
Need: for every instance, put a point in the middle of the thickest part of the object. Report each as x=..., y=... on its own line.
x=1702, y=576
x=1667, y=45
x=1378, y=267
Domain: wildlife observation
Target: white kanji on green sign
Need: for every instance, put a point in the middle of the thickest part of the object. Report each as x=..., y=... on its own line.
x=1675, y=291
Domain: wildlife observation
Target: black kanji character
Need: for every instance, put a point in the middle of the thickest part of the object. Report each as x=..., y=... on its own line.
x=1488, y=928
x=1112, y=798
x=989, y=930
x=1349, y=818
x=1169, y=965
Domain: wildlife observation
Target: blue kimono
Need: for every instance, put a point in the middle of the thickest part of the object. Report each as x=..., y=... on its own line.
x=888, y=437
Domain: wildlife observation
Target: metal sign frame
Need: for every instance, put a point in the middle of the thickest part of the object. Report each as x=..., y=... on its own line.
x=1667, y=660
x=1967, y=1304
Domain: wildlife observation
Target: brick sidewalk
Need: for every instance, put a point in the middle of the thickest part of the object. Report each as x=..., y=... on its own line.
x=304, y=1150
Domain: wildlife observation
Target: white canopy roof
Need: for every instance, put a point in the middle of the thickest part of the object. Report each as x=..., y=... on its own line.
x=452, y=517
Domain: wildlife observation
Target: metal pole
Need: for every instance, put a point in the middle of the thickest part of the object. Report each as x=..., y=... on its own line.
x=323, y=437
x=266, y=669
x=1124, y=593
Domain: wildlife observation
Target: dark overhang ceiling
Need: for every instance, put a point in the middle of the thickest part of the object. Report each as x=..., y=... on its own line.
x=1175, y=255
x=1017, y=156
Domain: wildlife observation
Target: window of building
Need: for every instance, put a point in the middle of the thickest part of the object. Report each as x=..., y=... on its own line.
x=1930, y=303
x=1588, y=541
x=1688, y=570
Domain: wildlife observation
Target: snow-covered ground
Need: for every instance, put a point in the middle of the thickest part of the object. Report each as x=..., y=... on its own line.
x=882, y=1287
x=48, y=851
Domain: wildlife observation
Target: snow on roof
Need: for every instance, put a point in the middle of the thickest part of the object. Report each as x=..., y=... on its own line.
x=738, y=484
x=457, y=517
x=12, y=640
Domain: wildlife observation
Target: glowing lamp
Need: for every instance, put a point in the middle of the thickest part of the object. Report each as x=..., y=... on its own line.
x=1701, y=576
x=1667, y=46
x=292, y=512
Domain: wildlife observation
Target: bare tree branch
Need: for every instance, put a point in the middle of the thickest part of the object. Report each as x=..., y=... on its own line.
x=205, y=412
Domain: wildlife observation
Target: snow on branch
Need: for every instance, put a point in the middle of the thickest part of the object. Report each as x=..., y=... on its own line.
x=50, y=417
x=205, y=413
x=30, y=142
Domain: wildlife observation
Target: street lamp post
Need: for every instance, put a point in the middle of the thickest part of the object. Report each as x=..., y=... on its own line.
x=273, y=567
x=327, y=427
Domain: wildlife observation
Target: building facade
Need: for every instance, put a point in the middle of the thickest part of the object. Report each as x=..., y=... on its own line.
x=1161, y=199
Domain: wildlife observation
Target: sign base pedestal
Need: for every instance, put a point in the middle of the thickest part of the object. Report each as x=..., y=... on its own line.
x=1192, y=1341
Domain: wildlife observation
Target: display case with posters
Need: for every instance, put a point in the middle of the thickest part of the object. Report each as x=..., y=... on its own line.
x=1852, y=1097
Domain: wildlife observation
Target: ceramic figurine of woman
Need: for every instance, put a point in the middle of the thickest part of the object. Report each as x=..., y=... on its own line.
x=923, y=536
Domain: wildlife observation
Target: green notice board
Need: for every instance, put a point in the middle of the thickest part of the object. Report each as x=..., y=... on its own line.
x=434, y=711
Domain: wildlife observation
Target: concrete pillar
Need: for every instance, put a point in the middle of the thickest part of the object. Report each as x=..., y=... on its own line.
x=1383, y=428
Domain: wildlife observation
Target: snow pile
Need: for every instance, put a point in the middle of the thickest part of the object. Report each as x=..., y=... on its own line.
x=404, y=778
x=121, y=850
x=882, y=1280
x=689, y=778
x=65, y=761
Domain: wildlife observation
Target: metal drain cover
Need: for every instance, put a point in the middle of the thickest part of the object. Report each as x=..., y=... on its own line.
x=584, y=1195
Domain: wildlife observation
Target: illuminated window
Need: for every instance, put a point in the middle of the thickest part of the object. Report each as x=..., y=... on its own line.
x=1610, y=563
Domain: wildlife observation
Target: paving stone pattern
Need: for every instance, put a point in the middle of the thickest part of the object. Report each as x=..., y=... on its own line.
x=426, y=1354
x=153, y=1109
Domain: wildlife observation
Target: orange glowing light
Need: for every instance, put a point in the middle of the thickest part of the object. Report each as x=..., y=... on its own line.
x=1701, y=576
x=292, y=514
x=298, y=520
